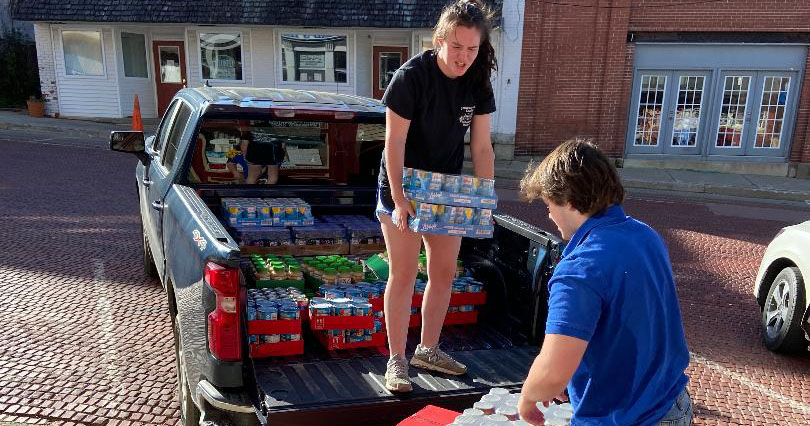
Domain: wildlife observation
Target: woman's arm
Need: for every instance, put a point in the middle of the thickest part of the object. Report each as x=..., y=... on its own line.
x=483, y=156
x=396, y=132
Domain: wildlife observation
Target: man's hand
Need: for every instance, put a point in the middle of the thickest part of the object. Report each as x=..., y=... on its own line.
x=529, y=412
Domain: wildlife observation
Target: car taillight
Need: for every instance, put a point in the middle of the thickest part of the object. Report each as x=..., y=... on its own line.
x=224, y=329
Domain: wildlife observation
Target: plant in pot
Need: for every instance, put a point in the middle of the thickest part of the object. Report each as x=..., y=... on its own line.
x=36, y=106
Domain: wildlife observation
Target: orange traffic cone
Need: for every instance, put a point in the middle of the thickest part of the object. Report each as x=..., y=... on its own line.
x=137, y=124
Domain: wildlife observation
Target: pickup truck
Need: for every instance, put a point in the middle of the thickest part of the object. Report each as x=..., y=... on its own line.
x=334, y=143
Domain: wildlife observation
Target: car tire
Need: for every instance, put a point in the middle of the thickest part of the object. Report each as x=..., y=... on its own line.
x=189, y=412
x=782, y=313
x=149, y=268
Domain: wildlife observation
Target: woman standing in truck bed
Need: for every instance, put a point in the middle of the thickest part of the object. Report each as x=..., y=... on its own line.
x=432, y=101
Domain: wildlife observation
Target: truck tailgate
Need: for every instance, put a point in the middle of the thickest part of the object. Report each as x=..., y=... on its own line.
x=351, y=390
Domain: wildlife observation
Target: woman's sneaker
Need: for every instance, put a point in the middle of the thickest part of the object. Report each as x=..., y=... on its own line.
x=396, y=375
x=437, y=360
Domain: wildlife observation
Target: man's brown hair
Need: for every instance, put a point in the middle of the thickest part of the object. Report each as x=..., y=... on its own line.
x=576, y=172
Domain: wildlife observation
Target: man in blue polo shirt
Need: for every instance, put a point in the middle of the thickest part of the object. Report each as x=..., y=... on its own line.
x=614, y=334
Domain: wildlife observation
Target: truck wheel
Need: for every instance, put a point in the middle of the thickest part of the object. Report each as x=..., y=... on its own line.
x=189, y=413
x=782, y=313
x=149, y=267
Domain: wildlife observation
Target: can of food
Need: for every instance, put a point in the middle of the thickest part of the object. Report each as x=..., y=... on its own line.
x=343, y=309
x=254, y=339
x=452, y=184
x=466, y=184
x=466, y=308
x=474, y=288
x=251, y=312
x=288, y=312
x=452, y=309
x=467, y=215
x=486, y=187
x=334, y=293
x=484, y=217
x=436, y=181
x=320, y=310
x=419, y=179
x=406, y=177
x=458, y=288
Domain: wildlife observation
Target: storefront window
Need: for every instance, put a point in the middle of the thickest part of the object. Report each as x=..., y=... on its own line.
x=83, y=53
x=133, y=47
x=221, y=56
x=687, y=111
x=772, y=111
x=314, y=58
x=732, y=111
x=651, y=102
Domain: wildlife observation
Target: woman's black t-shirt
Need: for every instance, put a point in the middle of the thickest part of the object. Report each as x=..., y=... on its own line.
x=440, y=109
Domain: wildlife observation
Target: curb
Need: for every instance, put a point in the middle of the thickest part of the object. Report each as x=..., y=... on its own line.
x=57, y=129
x=770, y=194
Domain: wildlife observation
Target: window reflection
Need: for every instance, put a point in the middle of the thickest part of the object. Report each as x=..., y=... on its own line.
x=651, y=101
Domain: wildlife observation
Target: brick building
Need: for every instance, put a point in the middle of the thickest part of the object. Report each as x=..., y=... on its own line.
x=713, y=84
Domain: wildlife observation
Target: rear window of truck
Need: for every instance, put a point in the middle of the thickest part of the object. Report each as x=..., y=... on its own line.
x=226, y=149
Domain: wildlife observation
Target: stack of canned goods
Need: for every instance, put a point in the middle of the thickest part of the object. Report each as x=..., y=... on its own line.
x=275, y=268
x=275, y=304
x=450, y=215
x=423, y=180
x=361, y=289
x=262, y=236
x=267, y=211
x=333, y=270
x=346, y=306
x=342, y=307
x=359, y=229
x=319, y=234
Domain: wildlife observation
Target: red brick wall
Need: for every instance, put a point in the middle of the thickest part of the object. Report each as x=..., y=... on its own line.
x=576, y=67
x=722, y=15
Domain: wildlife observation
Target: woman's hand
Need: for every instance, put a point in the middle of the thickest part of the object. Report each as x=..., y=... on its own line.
x=402, y=210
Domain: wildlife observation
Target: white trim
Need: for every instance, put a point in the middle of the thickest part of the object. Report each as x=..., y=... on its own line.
x=350, y=73
x=100, y=31
x=252, y=74
x=220, y=30
x=51, y=30
x=115, y=61
x=121, y=32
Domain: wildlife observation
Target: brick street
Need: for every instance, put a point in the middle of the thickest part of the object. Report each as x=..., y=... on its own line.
x=88, y=340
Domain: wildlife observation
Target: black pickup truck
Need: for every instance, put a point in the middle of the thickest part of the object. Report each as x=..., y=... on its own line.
x=333, y=143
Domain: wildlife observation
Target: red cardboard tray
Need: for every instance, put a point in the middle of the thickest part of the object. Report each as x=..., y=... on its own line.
x=454, y=318
x=264, y=350
x=457, y=299
x=334, y=322
x=430, y=416
x=333, y=343
x=284, y=326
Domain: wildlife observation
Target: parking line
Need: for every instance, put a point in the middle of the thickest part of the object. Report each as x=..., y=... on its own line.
x=792, y=403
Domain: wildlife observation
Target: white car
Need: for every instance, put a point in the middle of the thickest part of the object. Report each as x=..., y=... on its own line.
x=782, y=289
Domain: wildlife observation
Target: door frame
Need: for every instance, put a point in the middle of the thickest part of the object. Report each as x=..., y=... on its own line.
x=377, y=49
x=156, y=44
x=788, y=118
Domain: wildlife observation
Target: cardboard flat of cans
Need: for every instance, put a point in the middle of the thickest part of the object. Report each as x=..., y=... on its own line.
x=451, y=190
x=267, y=212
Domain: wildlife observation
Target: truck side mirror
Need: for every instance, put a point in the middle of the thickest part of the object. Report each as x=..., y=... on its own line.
x=129, y=141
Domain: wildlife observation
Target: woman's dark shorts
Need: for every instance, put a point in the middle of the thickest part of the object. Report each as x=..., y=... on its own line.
x=385, y=203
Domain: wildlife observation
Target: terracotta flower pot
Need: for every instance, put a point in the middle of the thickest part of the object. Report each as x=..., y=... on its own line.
x=36, y=108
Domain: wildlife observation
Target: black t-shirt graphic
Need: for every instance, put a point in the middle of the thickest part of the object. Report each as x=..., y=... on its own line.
x=440, y=109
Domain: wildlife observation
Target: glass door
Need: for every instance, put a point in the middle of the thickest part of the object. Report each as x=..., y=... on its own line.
x=771, y=127
x=733, y=114
x=647, y=118
x=686, y=112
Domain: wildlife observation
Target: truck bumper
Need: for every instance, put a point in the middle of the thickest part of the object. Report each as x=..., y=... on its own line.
x=234, y=402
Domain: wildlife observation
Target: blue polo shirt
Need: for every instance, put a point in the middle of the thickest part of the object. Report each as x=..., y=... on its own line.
x=613, y=288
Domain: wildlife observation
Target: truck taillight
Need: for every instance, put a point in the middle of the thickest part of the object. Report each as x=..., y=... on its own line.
x=224, y=329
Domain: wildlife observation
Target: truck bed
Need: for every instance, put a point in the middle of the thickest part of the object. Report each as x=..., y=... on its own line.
x=316, y=389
